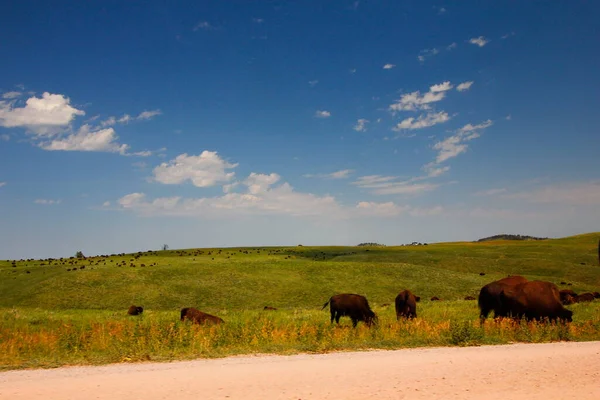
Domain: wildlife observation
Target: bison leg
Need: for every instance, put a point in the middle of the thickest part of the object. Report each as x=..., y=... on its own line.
x=354, y=322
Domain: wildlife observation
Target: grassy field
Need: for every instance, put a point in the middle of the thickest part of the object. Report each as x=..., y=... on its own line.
x=50, y=316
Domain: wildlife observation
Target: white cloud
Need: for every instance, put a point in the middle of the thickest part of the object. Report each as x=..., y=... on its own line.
x=566, y=193
x=126, y=118
x=106, y=204
x=353, y=71
x=415, y=101
x=39, y=114
x=259, y=183
x=479, y=41
x=441, y=10
x=47, y=202
x=451, y=46
x=204, y=25
x=389, y=66
x=110, y=121
x=2, y=184
x=86, y=139
x=342, y=174
x=441, y=87
x=434, y=171
x=313, y=83
x=361, y=125
x=258, y=20
x=11, y=95
x=464, y=86
x=423, y=121
x=280, y=200
x=204, y=170
x=5, y=137
x=322, y=114
x=491, y=192
x=454, y=145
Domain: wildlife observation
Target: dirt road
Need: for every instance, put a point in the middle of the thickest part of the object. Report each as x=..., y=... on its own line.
x=538, y=371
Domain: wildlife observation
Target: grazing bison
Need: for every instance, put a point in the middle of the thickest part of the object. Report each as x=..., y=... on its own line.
x=406, y=305
x=567, y=296
x=488, y=300
x=585, y=297
x=435, y=298
x=596, y=295
x=199, y=317
x=269, y=308
x=535, y=300
x=133, y=310
x=354, y=306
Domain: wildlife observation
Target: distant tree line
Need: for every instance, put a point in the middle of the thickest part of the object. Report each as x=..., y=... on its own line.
x=510, y=237
x=371, y=244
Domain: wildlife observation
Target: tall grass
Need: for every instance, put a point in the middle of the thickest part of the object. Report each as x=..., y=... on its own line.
x=40, y=338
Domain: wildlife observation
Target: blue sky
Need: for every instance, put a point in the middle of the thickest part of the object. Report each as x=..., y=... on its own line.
x=126, y=125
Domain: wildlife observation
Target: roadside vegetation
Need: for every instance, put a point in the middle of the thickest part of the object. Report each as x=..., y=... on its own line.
x=50, y=316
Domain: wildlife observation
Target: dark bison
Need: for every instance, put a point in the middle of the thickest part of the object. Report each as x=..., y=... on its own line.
x=199, y=317
x=435, y=298
x=567, y=296
x=406, y=305
x=269, y=308
x=354, y=306
x=585, y=297
x=470, y=298
x=489, y=296
x=535, y=300
x=133, y=310
x=596, y=295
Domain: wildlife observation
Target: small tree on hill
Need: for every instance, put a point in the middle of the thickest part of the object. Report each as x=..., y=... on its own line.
x=79, y=254
x=165, y=247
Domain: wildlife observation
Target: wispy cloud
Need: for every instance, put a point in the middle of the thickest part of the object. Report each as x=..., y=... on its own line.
x=322, y=114
x=2, y=184
x=204, y=25
x=342, y=174
x=456, y=144
x=11, y=95
x=5, y=137
x=441, y=10
x=47, y=202
x=507, y=35
x=126, y=118
x=565, y=193
x=389, y=66
x=87, y=139
x=386, y=185
x=464, y=86
x=361, y=125
x=491, y=192
x=423, y=121
x=479, y=41
x=313, y=83
x=258, y=20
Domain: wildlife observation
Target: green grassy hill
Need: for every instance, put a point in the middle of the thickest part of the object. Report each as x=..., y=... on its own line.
x=293, y=277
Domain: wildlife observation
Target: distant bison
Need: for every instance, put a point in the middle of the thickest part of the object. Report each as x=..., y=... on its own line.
x=133, y=310
x=354, y=306
x=406, y=305
x=435, y=298
x=469, y=298
x=199, y=317
x=567, y=296
x=596, y=295
x=535, y=300
x=489, y=296
x=585, y=297
x=269, y=308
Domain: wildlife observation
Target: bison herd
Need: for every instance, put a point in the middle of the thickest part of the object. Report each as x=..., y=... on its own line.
x=511, y=297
